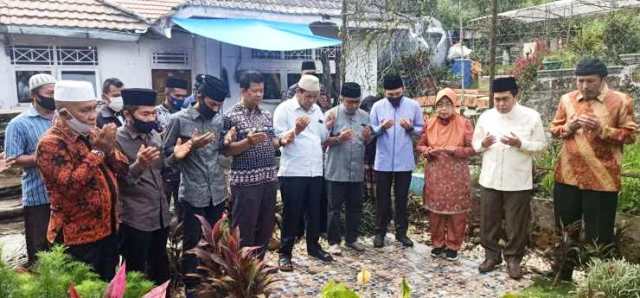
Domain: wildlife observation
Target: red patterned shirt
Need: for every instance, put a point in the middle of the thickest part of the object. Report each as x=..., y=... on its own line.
x=82, y=186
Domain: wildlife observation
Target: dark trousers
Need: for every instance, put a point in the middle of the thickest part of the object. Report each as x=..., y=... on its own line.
x=146, y=252
x=102, y=255
x=596, y=208
x=171, y=191
x=300, y=197
x=253, y=212
x=401, y=182
x=512, y=206
x=347, y=194
x=36, y=222
x=324, y=205
x=192, y=235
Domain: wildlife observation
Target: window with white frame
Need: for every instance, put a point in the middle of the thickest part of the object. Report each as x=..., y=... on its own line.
x=68, y=63
x=332, y=52
x=263, y=54
x=171, y=57
x=299, y=55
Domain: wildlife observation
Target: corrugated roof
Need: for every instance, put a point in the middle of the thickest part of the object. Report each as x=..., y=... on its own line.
x=85, y=14
x=298, y=7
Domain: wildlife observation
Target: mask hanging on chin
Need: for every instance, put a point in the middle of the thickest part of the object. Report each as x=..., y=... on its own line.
x=76, y=125
x=116, y=104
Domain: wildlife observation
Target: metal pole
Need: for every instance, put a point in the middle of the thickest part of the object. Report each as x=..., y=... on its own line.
x=492, y=49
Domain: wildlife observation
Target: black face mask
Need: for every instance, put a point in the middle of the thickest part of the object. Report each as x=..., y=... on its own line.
x=395, y=101
x=205, y=111
x=144, y=127
x=46, y=102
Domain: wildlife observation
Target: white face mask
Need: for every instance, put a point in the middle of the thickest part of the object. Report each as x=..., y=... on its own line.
x=75, y=124
x=116, y=104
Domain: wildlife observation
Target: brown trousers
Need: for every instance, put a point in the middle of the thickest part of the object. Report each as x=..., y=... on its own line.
x=36, y=222
x=447, y=230
x=512, y=206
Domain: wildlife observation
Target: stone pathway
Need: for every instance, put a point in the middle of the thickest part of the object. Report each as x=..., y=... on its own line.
x=427, y=277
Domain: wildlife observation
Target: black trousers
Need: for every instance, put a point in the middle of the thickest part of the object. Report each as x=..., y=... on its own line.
x=401, y=182
x=171, y=191
x=36, y=222
x=324, y=205
x=300, y=197
x=348, y=194
x=253, y=212
x=102, y=255
x=596, y=208
x=192, y=235
x=146, y=252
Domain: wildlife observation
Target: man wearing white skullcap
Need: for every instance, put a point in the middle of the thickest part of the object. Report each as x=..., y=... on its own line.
x=299, y=124
x=21, y=138
x=80, y=166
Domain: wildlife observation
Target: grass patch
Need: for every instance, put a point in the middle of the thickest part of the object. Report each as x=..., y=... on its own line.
x=543, y=288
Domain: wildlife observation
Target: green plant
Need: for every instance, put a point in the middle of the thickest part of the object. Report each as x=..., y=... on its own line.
x=137, y=285
x=91, y=288
x=8, y=280
x=337, y=290
x=544, y=288
x=226, y=267
x=405, y=289
x=614, y=278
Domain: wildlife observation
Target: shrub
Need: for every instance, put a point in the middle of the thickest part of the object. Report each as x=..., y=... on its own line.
x=8, y=280
x=615, y=278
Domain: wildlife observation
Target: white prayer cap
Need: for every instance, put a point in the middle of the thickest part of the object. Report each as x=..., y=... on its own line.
x=39, y=80
x=309, y=83
x=73, y=91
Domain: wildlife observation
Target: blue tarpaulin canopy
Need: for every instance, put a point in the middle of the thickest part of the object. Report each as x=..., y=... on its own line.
x=257, y=34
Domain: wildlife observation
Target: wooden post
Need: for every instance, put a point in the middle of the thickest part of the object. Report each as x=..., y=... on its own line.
x=492, y=49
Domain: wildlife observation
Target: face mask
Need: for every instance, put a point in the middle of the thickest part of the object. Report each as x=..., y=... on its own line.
x=143, y=126
x=77, y=126
x=205, y=111
x=395, y=101
x=176, y=104
x=116, y=104
x=46, y=102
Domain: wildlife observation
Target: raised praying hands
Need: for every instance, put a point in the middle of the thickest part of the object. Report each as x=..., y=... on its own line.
x=200, y=140
x=5, y=163
x=231, y=136
x=104, y=138
x=147, y=155
x=180, y=150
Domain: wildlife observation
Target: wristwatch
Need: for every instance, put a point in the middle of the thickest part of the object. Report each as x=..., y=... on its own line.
x=98, y=152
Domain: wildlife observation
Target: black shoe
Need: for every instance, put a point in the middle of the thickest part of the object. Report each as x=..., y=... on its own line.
x=406, y=242
x=451, y=254
x=437, y=252
x=285, y=264
x=378, y=241
x=356, y=246
x=321, y=255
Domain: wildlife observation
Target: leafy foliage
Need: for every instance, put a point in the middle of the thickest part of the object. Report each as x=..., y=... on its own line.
x=8, y=280
x=228, y=268
x=614, y=278
x=137, y=285
x=337, y=290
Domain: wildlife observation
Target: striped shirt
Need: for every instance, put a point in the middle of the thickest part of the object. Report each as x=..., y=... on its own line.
x=591, y=160
x=21, y=138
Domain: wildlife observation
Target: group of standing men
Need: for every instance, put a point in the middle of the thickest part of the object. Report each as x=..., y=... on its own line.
x=100, y=179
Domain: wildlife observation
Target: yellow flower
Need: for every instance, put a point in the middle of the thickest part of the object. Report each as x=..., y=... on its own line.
x=363, y=277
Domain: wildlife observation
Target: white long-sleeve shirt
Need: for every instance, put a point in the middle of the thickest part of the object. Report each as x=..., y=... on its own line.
x=507, y=168
x=303, y=157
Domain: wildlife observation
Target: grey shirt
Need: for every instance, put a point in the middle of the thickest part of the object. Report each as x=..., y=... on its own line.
x=202, y=180
x=345, y=161
x=143, y=204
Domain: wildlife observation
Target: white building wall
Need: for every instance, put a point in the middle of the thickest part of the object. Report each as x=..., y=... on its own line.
x=362, y=65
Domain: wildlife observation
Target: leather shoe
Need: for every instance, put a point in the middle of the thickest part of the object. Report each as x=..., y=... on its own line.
x=378, y=241
x=514, y=270
x=405, y=241
x=285, y=264
x=488, y=265
x=321, y=255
